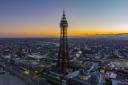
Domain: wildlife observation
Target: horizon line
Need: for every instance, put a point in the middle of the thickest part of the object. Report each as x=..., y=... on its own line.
x=58, y=36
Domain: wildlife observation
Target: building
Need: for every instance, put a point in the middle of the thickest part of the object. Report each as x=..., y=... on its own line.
x=63, y=56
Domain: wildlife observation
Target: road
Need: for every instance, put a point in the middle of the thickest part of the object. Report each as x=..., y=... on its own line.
x=8, y=79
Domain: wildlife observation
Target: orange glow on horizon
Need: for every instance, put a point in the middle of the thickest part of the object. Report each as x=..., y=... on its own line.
x=39, y=32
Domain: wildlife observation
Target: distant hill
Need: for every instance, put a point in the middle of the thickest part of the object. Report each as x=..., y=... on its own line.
x=122, y=36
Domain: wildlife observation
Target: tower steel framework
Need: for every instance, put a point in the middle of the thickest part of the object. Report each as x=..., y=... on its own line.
x=63, y=56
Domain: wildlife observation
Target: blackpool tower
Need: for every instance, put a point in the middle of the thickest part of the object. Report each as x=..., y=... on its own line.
x=63, y=57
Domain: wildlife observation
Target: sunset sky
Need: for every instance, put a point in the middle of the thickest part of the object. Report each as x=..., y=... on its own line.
x=40, y=18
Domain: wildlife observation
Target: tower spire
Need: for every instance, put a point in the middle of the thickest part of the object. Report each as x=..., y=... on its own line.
x=64, y=13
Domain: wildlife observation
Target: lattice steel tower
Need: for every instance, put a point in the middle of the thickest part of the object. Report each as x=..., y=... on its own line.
x=63, y=57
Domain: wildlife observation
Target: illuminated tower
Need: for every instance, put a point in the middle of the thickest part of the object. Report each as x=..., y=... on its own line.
x=63, y=57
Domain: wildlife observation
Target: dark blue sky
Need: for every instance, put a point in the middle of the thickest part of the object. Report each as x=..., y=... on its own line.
x=37, y=17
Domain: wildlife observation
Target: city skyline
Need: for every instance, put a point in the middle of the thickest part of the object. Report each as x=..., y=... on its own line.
x=39, y=18
x=63, y=42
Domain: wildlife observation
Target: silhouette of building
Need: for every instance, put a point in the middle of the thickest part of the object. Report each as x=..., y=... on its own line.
x=63, y=56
